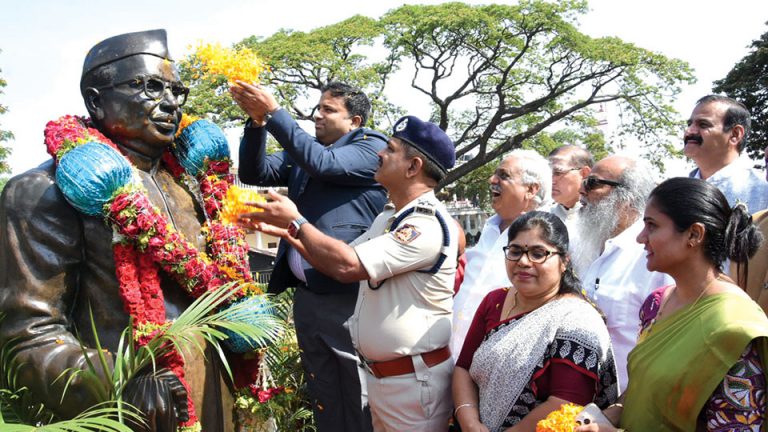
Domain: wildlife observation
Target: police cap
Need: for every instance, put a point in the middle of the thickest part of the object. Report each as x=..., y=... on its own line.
x=428, y=138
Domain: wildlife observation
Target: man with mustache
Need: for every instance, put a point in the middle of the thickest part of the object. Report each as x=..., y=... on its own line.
x=331, y=178
x=608, y=260
x=717, y=132
x=56, y=264
x=521, y=183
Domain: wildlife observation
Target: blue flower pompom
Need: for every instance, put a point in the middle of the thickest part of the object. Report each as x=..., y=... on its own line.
x=88, y=176
x=198, y=141
x=256, y=307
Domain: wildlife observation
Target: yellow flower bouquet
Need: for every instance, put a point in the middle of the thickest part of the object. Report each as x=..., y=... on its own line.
x=562, y=420
x=236, y=64
x=234, y=203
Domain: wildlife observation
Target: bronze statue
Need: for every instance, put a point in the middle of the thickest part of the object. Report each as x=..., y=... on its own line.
x=57, y=263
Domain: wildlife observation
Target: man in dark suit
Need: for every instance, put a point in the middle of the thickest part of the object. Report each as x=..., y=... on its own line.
x=330, y=177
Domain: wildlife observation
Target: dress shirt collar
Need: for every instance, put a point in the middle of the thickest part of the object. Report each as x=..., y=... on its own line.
x=628, y=237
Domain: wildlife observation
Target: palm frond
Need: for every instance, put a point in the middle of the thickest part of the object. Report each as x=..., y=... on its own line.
x=97, y=419
x=202, y=320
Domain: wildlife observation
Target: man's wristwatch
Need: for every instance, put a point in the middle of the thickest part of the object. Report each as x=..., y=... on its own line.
x=295, y=226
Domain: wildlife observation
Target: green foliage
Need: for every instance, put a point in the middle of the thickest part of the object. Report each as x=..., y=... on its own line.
x=98, y=419
x=19, y=412
x=747, y=82
x=495, y=76
x=301, y=63
x=202, y=320
x=544, y=142
x=209, y=99
x=283, y=389
x=4, y=136
x=520, y=69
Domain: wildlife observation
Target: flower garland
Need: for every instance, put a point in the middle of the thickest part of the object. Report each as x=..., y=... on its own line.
x=144, y=240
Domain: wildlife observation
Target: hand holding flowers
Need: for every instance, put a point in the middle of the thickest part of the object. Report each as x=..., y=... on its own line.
x=254, y=100
x=274, y=215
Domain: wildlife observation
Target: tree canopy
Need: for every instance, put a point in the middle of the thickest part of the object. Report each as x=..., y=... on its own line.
x=494, y=76
x=747, y=82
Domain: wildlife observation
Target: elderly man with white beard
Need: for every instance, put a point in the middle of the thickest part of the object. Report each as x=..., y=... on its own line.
x=521, y=183
x=607, y=258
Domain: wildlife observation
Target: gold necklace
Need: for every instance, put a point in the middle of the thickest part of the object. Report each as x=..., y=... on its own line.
x=514, y=305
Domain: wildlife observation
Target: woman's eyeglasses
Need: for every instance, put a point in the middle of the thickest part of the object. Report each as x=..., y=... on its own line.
x=535, y=255
x=154, y=87
x=593, y=182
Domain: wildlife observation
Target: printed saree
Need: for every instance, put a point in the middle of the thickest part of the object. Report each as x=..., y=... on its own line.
x=683, y=358
x=504, y=364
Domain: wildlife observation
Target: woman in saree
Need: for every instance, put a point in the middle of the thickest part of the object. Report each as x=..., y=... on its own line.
x=536, y=346
x=700, y=361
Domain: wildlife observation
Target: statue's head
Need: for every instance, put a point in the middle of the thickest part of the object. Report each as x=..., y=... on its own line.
x=132, y=91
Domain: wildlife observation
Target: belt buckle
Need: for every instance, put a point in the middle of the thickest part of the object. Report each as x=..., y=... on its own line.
x=365, y=364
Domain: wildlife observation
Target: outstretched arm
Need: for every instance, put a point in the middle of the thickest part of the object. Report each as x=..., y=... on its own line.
x=255, y=166
x=354, y=163
x=328, y=255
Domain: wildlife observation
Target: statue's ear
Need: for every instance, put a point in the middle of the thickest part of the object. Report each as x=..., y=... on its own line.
x=93, y=103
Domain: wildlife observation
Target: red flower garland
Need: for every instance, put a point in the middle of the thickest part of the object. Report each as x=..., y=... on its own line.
x=149, y=242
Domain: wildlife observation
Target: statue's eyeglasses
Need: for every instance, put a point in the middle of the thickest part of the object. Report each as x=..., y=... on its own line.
x=593, y=182
x=535, y=254
x=154, y=87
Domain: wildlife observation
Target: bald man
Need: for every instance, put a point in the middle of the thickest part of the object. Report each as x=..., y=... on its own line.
x=608, y=259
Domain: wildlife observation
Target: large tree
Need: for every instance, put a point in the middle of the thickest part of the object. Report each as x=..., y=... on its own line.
x=495, y=76
x=299, y=63
x=748, y=82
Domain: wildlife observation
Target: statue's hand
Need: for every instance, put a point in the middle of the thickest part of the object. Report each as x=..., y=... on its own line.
x=162, y=399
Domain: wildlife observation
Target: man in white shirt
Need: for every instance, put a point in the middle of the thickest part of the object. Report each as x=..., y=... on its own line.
x=521, y=183
x=570, y=165
x=405, y=265
x=611, y=264
x=716, y=134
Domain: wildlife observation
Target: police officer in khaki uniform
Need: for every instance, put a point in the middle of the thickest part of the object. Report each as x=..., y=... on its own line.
x=405, y=264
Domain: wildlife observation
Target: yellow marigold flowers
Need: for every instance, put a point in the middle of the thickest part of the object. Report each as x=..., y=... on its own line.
x=237, y=64
x=251, y=289
x=562, y=420
x=234, y=205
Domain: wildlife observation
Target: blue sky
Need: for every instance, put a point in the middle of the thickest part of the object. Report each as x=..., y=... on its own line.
x=43, y=42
